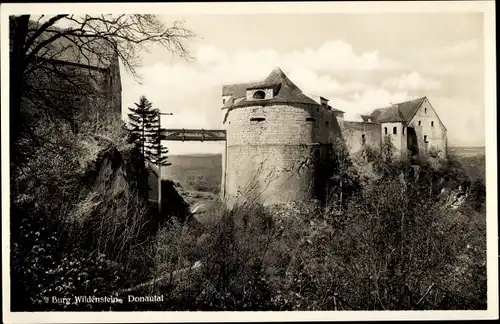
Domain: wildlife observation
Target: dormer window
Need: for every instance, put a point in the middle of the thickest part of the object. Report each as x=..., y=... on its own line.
x=259, y=95
x=323, y=101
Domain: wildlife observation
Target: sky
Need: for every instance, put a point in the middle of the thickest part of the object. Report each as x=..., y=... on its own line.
x=358, y=61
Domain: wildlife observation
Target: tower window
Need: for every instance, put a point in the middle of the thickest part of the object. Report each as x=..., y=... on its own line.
x=259, y=95
x=310, y=119
x=419, y=123
x=394, y=130
x=363, y=139
x=255, y=120
x=385, y=130
x=432, y=123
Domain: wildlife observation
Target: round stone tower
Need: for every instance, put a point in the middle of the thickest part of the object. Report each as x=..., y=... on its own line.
x=276, y=138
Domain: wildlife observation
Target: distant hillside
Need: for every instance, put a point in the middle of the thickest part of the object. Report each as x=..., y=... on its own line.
x=201, y=172
x=466, y=151
x=472, y=160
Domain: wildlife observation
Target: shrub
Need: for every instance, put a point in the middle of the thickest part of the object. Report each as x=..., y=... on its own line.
x=78, y=215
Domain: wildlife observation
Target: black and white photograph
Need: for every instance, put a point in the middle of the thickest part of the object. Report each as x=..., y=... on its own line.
x=296, y=161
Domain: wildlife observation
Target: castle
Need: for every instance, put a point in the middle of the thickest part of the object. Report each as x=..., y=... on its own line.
x=78, y=73
x=277, y=137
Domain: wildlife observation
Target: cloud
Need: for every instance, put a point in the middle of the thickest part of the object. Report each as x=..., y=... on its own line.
x=337, y=55
x=411, y=81
x=366, y=101
x=313, y=83
x=354, y=82
x=461, y=58
x=463, y=118
x=461, y=49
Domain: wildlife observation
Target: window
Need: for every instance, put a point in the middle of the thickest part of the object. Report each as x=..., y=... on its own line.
x=310, y=119
x=425, y=138
x=432, y=123
x=394, y=130
x=385, y=130
x=326, y=122
x=403, y=131
x=363, y=139
x=256, y=120
x=425, y=110
x=317, y=109
x=419, y=123
x=223, y=101
x=259, y=95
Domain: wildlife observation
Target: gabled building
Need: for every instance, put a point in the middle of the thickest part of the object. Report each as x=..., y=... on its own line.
x=413, y=127
x=278, y=138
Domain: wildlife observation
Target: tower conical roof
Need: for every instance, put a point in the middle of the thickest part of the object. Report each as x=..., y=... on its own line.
x=276, y=77
x=284, y=89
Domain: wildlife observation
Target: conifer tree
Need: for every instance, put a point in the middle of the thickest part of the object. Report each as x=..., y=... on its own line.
x=146, y=131
x=143, y=125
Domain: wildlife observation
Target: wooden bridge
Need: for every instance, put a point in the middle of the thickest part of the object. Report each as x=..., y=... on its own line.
x=203, y=135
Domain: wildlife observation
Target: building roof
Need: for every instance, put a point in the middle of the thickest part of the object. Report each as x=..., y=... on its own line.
x=400, y=112
x=366, y=118
x=335, y=109
x=236, y=90
x=94, y=52
x=285, y=90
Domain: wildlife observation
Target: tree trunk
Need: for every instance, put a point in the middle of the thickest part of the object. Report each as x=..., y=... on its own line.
x=18, y=32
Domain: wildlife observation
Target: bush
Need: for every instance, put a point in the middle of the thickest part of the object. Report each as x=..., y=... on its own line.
x=79, y=223
x=390, y=248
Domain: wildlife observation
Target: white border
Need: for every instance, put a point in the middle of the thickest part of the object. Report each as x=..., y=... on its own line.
x=487, y=7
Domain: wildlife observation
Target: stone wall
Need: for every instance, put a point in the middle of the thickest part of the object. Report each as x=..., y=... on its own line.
x=423, y=124
x=272, y=151
x=399, y=140
x=352, y=133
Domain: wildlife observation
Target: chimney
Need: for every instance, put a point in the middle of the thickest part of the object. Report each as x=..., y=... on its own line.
x=323, y=101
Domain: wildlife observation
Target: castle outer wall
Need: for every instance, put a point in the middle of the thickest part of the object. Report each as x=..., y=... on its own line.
x=273, y=151
x=360, y=135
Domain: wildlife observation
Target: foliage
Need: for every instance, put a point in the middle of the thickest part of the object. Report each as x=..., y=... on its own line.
x=79, y=219
x=343, y=180
x=199, y=183
x=389, y=249
x=40, y=86
x=144, y=122
x=78, y=215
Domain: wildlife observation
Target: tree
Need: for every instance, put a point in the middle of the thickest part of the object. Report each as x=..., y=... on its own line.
x=35, y=42
x=143, y=124
x=146, y=131
x=157, y=152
